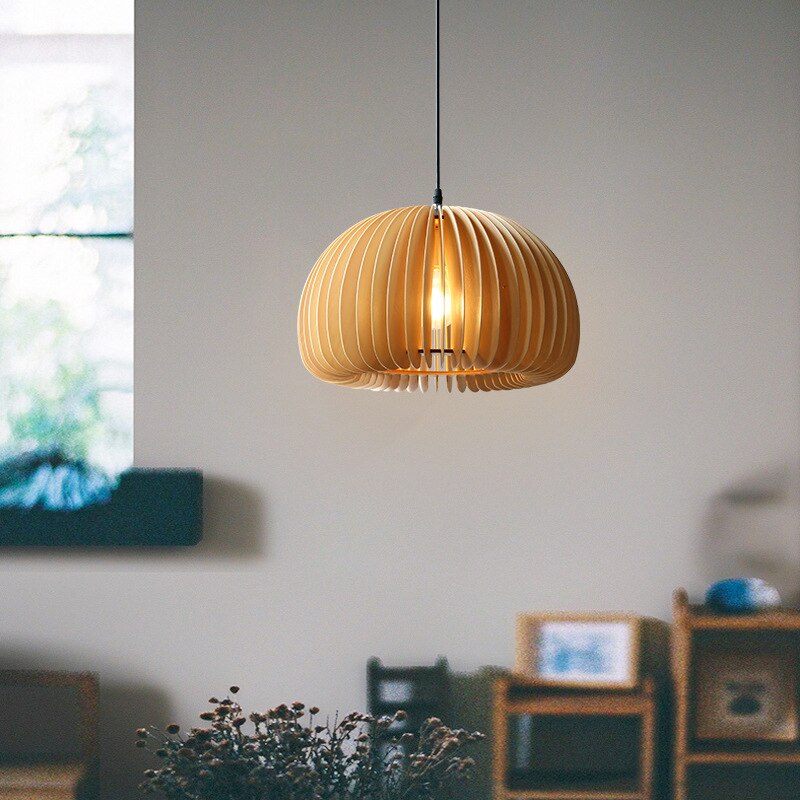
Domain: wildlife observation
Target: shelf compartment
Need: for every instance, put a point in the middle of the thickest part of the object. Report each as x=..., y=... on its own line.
x=551, y=753
x=548, y=782
x=743, y=782
x=569, y=745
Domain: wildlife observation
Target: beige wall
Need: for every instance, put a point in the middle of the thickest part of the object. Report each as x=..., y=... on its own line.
x=653, y=145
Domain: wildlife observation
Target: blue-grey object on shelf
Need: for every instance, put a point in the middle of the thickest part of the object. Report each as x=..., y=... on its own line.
x=742, y=596
x=49, y=479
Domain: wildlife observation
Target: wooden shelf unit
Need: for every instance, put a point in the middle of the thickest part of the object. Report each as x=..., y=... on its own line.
x=516, y=696
x=697, y=629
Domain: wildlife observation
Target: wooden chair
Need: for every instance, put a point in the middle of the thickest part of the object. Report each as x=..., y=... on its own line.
x=48, y=735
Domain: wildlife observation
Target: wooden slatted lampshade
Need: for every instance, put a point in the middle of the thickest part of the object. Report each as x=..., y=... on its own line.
x=425, y=296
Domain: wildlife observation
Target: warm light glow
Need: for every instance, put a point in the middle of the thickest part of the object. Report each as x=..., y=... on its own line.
x=440, y=301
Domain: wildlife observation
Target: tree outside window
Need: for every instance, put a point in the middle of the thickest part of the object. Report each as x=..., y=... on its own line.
x=66, y=250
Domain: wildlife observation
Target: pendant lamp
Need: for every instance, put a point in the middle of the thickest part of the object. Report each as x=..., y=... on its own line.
x=428, y=296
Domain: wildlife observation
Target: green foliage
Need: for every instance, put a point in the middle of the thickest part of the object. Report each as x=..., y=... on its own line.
x=46, y=408
x=65, y=413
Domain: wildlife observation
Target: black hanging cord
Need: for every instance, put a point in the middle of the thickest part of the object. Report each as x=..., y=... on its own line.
x=437, y=195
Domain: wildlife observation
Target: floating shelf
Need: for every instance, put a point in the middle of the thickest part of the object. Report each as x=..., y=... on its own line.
x=149, y=508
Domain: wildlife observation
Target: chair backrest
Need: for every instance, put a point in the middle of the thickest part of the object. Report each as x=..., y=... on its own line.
x=48, y=717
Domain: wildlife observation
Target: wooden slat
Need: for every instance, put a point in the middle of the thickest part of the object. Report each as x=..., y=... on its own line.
x=40, y=781
x=568, y=794
x=743, y=758
x=499, y=738
x=775, y=621
x=581, y=705
x=680, y=658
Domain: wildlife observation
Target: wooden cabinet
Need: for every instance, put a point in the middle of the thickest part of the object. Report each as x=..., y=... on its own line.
x=715, y=759
x=567, y=744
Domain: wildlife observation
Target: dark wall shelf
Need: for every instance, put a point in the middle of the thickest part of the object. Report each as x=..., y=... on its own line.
x=149, y=508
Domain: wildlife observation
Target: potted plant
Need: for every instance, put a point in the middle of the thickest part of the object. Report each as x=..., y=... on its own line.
x=289, y=753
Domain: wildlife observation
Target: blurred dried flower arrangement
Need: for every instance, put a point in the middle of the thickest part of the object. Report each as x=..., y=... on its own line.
x=286, y=753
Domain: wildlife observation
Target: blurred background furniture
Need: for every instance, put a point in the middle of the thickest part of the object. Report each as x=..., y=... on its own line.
x=48, y=735
x=421, y=692
x=735, y=681
x=564, y=743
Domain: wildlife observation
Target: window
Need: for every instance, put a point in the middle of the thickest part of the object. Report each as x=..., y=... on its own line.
x=66, y=249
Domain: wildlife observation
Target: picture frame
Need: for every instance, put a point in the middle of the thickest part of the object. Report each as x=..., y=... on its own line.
x=743, y=696
x=600, y=651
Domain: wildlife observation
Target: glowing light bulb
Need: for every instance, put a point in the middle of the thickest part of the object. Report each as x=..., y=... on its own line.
x=440, y=301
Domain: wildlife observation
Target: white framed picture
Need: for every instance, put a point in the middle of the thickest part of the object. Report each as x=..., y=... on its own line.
x=579, y=650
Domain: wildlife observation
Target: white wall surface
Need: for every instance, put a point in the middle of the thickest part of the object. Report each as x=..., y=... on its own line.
x=653, y=145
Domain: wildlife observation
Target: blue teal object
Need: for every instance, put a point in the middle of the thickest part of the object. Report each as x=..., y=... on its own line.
x=742, y=596
x=48, y=479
